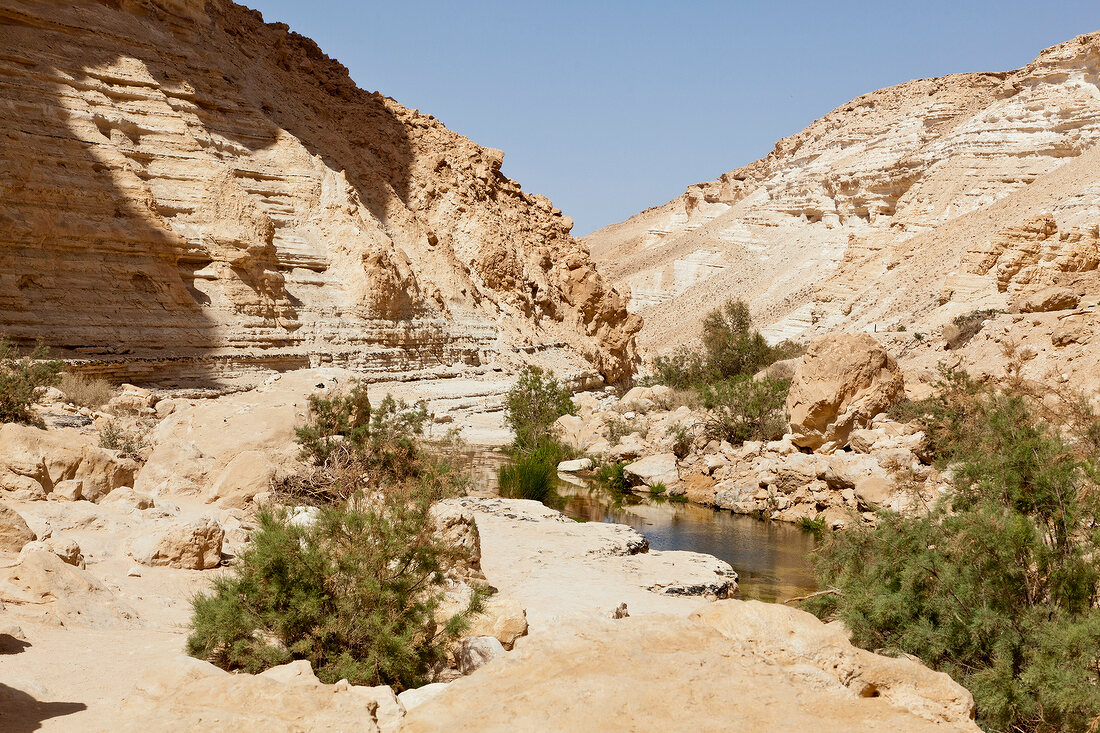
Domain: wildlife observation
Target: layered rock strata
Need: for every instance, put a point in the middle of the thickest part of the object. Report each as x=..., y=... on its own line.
x=906, y=207
x=191, y=194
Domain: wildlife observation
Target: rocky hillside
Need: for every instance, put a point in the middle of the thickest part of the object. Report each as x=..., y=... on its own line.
x=190, y=194
x=908, y=206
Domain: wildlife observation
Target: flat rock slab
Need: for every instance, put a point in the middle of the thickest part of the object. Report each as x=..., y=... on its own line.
x=556, y=567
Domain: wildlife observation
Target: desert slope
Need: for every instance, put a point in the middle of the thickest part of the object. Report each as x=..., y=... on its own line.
x=910, y=205
x=190, y=194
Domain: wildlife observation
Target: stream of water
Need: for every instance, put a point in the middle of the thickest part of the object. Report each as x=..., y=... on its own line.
x=771, y=558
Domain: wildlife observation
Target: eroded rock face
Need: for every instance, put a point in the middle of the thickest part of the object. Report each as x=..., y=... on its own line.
x=193, y=545
x=14, y=532
x=193, y=695
x=733, y=661
x=975, y=188
x=33, y=462
x=844, y=381
x=255, y=209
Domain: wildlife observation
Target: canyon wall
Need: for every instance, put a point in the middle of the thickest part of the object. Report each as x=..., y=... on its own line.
x=190, y=195
x=897, y=212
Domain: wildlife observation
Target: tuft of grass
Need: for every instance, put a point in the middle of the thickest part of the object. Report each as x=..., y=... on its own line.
x=87, y=392
x=815, y=525
x=613, y=476
x=532, y=475
x=658, y=488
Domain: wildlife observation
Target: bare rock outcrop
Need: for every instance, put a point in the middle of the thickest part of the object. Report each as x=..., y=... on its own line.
x=762, y=666
x=192, y=695
x=33, y=462
x=844, y=381
x=195, y=545
x=14, y=532
x=897, y=212
x=254, y=209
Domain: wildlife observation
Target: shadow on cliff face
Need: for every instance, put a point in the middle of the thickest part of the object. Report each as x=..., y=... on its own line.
x=21, y=713
x=91, y=261
x=87, y=264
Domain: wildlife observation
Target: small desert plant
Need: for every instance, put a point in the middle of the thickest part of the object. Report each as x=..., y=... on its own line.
x=745, y=409
x=658, y=488
x=968, y=326
x=112, y=436
x=682, y=440
x=532, y=475
x=814, y=525
x=918, y=337
x=612, y=475
x=87, y=392
x=23, y=379
x=617, y=428
x=731, y=348
x=533, y=404
x=356, y=593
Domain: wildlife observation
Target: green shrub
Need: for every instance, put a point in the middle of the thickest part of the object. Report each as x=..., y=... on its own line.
x=682, y=440
x=745, y=409
x=22, y=381
x=533, y=404
x=355, y=593
x=84, y=391
x=969, y=325
x=612, y=475
x=658, y=488
x=731, y=348
x=998, y=585
x=533, y=475
x=114, y=437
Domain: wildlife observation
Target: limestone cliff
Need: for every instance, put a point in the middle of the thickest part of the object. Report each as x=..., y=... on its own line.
x=188, y=193
x=908, y=206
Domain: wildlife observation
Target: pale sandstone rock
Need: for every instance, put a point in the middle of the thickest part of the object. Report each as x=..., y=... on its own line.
x=61, y=593
x=653, y=470
x=68, y=490
x=416, y=697
x=195, y=545
x=733, y=661
x=842, y=384
x=298, y=672
x=503, y=618
x=579, y=464
x=272, y=213
x=190, y=695
x=128, y=497
x=248, y=474
x=46, y=458
x=14, y=532
x=476, y=651
x=1048, y=299
x=65, y=548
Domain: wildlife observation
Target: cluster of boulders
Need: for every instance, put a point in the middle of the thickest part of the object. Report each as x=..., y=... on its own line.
x=841, y=458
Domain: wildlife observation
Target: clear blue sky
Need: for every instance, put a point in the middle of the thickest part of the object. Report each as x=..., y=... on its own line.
x=610, y=106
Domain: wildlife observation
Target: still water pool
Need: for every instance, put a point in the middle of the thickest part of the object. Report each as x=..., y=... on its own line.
x=771, y=558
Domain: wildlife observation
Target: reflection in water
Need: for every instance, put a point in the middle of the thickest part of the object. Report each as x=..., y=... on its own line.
x=770, y=557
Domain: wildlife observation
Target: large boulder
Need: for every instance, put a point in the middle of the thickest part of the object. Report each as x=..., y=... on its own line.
x=653, y=470
x=248, y=474
x=195, y=545
x=14, y=532
x=733, y=665
x=1047, y=300
x=843, y=383
x=191, y=695
x=34, y=461
x=58, y=592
